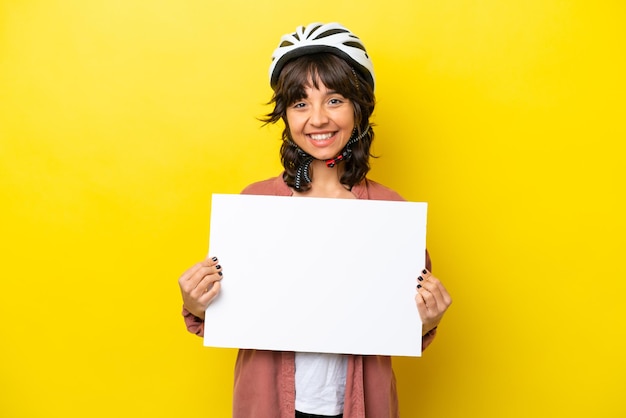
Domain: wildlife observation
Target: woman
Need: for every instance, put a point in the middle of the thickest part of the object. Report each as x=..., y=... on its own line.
x=323, y=82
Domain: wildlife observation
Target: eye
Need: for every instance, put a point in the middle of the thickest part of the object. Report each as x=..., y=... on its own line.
x=298, y=105
x=336, y=100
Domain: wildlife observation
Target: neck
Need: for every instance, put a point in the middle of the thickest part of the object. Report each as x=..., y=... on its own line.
x=326, y=181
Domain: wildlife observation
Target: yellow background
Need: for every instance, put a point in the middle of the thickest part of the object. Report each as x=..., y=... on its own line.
x=118, y=119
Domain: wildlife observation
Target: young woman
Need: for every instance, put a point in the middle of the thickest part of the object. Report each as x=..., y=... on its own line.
x=323, y=82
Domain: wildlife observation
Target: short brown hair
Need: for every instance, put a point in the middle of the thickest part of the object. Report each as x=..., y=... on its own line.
x=336, y=75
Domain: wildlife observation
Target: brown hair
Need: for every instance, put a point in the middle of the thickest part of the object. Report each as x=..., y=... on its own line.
x=336, y=75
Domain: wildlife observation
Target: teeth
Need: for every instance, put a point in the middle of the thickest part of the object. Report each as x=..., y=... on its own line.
x=320, y=137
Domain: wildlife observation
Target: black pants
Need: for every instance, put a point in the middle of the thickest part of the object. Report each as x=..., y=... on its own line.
x=305, y=415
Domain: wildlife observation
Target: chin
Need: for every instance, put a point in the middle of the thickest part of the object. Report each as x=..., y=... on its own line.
x=325, y=155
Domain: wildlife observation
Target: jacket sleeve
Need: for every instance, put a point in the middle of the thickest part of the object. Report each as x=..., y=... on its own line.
x=428, y=338
x=194, y=324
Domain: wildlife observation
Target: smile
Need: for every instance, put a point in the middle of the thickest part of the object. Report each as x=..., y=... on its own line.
x=321, y=137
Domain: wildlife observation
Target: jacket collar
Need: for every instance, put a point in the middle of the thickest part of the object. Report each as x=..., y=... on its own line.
x=359, y=190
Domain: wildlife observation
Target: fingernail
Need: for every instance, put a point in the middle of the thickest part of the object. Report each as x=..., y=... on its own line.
x=214, y=259
x=419, y=286
x=220, y=273
x=218, y=267
x=420, y=278
x=424, y=271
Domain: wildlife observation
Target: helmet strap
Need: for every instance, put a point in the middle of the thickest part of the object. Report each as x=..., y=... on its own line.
x=303, y=171
x=346, y=154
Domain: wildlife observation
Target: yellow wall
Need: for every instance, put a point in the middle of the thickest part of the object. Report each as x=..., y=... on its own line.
x=118, y=119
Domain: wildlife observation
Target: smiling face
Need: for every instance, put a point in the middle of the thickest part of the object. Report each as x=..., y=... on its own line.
x=321, y=122
x=320, y=98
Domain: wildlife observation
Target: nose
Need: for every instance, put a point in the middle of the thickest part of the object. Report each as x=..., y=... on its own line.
x=319, y=116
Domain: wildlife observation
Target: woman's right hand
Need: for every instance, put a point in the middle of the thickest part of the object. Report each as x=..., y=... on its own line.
x=200, y=285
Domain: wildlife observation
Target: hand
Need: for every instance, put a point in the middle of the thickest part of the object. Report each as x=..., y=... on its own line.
x=432, y=300
x=200, y=285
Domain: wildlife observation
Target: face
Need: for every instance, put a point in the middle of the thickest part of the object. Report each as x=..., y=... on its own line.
x=321, y=123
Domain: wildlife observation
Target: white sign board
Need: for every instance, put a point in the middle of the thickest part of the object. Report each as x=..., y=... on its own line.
x=317, y=275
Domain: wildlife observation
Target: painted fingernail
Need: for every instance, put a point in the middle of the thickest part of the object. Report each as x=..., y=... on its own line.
x=419, y=286
x=420, y=278
x=214, y=259
x=424, y=271
x=220, y=273
x=218, y=267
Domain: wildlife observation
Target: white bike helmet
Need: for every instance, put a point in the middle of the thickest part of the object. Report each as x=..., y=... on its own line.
x=319, y=37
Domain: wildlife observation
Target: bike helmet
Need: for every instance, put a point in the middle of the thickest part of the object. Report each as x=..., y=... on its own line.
x=319, y=37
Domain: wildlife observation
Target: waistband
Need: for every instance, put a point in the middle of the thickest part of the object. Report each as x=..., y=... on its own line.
x=305, y=415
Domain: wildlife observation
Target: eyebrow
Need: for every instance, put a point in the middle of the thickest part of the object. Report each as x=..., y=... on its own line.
x=333, y=92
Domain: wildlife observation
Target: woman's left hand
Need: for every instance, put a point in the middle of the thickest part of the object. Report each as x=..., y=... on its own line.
x=432, y=300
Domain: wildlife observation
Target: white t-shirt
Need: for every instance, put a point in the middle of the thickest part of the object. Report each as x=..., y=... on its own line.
x=320, y=383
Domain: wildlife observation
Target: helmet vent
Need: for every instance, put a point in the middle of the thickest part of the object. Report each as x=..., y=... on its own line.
x=313, y=29
x=354, y=45
x=330, y=32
